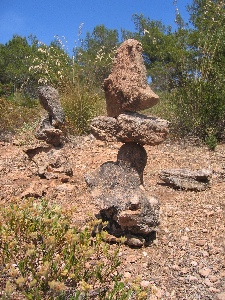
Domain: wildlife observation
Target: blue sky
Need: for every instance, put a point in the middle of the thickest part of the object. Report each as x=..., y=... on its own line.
x=48, y=18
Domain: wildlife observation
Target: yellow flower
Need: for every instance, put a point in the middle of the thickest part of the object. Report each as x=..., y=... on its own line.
x=33, y=283
x=84, y=286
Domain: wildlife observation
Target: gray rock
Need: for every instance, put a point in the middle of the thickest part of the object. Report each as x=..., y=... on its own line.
x=52, y=125
x=49, y=99
x=133, y=155
x=49, y=134
x=198, y=180
x=130, y=127
x=126, y=88
x=117, y=192
x=50, y=163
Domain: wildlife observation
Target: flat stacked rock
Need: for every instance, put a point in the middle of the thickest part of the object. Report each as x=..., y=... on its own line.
x=117, y=187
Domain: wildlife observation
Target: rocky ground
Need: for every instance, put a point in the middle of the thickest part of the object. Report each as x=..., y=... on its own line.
x=187, y=259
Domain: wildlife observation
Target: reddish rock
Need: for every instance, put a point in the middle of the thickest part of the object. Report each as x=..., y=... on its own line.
x=126, y=88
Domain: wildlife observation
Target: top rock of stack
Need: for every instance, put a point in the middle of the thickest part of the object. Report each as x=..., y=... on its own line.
x=126, y=88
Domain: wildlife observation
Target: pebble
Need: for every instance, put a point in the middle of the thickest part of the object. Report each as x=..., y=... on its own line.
x=185, y=238
x=205, y=254
x=192, y=278
x=208, y=282
x=175, y=267
x=194, y=263
x=213, y=278
x=127, y=275
x=214, y=290
x=132, y=258
x=204, y=272
x=144, y=284
x=201, y=242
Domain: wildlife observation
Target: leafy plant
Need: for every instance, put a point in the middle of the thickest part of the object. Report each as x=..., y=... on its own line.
x=42, y=256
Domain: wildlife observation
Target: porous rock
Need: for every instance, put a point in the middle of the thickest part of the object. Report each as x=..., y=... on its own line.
x=117, y=192
x=50, y=163
x=50, y=128
x=49, y=99
x=198, y=180
x=126, y=88
x=49, y=134
x=130, y=127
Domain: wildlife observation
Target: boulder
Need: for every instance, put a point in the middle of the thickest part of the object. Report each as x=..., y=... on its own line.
x=130, y=127
x=126, y=88
x=198, y=180
x=122, y=200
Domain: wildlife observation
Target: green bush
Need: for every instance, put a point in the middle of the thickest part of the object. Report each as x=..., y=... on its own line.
x=81, y=103
x=42, y=256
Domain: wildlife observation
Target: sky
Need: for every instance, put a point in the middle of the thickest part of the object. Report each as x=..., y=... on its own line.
x=47, y=18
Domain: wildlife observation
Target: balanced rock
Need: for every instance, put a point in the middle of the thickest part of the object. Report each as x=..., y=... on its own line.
x=126, y=88
x=49, y=99
x=133, y=155
x=120, y=197
x=130, y=127
x=198, y=180
x=50, y=128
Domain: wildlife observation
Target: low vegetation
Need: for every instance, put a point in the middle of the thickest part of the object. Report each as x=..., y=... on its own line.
x=43, y=256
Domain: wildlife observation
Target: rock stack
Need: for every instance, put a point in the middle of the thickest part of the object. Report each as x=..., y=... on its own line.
x=51, y=124
x=117, y=187
x=48, y=155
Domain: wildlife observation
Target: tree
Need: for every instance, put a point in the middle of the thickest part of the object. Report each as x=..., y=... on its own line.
x=15, y=61
x=96, y=53
x=200, y=102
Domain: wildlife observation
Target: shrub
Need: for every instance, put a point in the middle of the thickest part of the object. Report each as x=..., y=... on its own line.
x=42, y=256
x=14, y=116
x=81, y=103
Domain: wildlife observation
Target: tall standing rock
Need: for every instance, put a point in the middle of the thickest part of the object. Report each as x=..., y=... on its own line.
x=126, y=88
x=51, y=125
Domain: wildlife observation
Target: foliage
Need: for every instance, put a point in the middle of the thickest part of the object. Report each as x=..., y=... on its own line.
x=200, y=103
x=185, y=66
x=14, y=116
x=52, y=65
x=96, y=53
x=81, y=103
x=42, y=256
